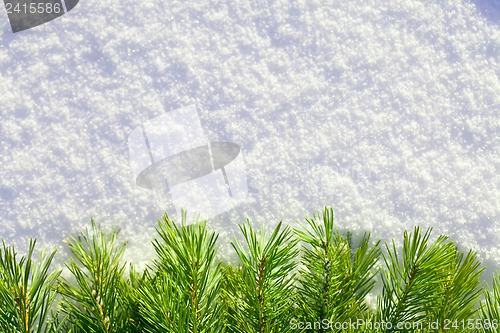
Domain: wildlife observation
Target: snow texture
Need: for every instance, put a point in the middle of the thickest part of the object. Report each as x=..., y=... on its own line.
x=389, y=111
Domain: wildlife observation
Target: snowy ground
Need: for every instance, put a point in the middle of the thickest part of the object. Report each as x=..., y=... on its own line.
x=389, y=111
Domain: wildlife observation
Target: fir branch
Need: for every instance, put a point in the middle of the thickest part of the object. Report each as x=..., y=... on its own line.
x=187, y=290
x=26, y=291
x=97, y=300
x=460, y=291
x=265, y=294
x=412, y=281
x=183, y=295
x=231, y=294
x=490, y=309
x=334, y=278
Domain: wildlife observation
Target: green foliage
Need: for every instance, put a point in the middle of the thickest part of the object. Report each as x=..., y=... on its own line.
x=26, y=291
x=98, y=300
x=310, y=279
x=429, y=283
x=263, y=288
x=490, y=310
x=183, y=293
x=334, y=278
x=413, y=280
x=459, y=292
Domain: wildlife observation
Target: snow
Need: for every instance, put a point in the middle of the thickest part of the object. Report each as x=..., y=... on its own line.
x=387, y=111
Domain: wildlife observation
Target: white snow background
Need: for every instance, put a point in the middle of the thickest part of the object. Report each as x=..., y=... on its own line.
x=386, y=110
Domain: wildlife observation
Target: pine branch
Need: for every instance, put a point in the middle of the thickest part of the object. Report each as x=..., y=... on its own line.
x=231, y=295
x=183, y=295
x=26, y=291
x=412, y=281
x=264, y=299
x=97, y=300
x=460, y=292
x=187, y=290
x=334, y=278
x=490, y=309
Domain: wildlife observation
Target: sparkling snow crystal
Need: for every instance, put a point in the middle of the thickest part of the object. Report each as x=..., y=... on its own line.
x=387, y=111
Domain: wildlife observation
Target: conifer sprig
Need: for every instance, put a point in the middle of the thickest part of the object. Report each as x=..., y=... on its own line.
x=183, y=293
x=459, y=291
x=264, y=292
x=26, y=291
x=335, y=277
x=413, y=280
x=490, y=310
x=285, y=281
x=96, y=301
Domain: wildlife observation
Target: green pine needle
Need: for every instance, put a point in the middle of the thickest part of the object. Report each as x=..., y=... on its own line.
x=334, y=278
x=490, y=310
x=26, y=291
x=309, y=279
x=98, y=301
x=183, y=295
x=264, y=292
